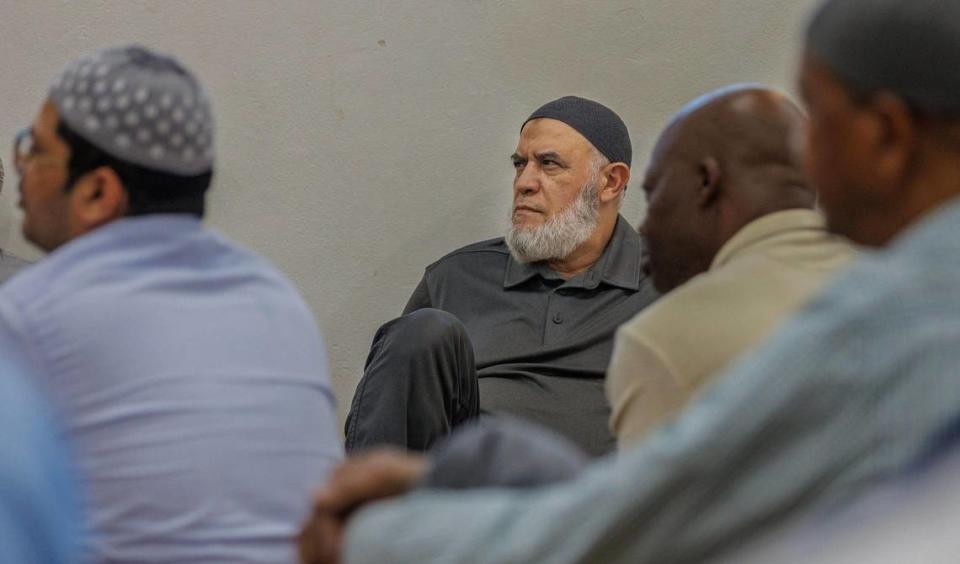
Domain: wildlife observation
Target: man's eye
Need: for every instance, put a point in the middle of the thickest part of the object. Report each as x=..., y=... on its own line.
x=518, y=164
x=549, y=163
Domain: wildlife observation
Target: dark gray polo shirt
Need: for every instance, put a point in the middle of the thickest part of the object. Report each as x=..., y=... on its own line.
x=542, y=343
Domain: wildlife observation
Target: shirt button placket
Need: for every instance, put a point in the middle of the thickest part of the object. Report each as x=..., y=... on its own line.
x=552, y=318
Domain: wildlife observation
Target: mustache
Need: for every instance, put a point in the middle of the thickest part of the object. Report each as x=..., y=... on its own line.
x=529, y=206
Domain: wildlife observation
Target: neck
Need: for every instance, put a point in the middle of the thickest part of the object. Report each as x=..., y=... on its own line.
x=588, y=253
x=935, y=182
x=759, y=196
x=883, y=230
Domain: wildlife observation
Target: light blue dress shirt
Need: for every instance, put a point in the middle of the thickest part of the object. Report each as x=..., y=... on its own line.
x=40, y=521
x=848, y=392
x=193, y=382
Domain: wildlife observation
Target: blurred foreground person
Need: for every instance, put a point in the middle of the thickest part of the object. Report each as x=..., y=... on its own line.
x=845, y=395
x=187, y=371
x=911, y=520
x=732, y=240
x=40, y=519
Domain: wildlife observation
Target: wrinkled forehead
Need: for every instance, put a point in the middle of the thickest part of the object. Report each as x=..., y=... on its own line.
x=550, y=134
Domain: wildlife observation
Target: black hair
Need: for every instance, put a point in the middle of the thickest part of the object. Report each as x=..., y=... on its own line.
x=149, y=191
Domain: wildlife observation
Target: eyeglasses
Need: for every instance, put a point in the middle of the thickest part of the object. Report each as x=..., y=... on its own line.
x=25, y=151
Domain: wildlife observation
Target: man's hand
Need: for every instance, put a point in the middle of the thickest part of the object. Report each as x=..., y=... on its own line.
x=371, y=476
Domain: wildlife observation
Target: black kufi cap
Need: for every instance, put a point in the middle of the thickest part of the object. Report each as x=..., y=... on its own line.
x=598, y=123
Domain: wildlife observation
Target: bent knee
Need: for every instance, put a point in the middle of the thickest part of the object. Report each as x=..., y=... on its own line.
x=426, y=328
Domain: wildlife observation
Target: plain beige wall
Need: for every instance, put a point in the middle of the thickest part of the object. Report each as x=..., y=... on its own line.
x=360, y=141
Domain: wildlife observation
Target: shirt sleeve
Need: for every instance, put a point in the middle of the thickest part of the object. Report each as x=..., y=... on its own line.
x=642, y=389
x=420, y=297
x=18, y=346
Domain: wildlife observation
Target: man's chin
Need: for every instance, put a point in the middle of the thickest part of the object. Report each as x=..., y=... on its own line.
x=528, y=225
x=38, y=242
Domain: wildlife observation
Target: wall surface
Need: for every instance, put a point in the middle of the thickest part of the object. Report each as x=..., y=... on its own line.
x=359, y=141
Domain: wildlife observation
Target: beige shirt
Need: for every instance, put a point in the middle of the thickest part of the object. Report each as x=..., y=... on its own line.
x=664, y=354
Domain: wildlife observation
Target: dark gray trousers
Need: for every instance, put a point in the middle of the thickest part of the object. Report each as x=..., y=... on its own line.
x=420, y=381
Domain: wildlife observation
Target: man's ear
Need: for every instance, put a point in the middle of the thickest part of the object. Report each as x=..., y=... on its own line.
x=97, y=198
x=710, y=182
x=893, y=131
x=617, y=176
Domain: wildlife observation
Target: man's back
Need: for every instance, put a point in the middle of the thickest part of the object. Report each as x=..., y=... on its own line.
x=193, y=382
x=767, y=271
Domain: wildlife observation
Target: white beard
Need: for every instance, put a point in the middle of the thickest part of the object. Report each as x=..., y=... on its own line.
x=561, y=234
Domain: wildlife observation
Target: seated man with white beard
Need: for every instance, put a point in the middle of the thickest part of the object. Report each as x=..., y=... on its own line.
x=521, y=325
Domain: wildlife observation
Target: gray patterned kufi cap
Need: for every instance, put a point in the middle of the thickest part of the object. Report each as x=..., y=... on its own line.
x=140, y=107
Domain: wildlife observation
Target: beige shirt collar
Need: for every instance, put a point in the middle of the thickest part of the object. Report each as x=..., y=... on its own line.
x=765, y=228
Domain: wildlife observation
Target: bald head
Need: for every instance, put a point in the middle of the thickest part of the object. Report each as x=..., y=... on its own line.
x=754, y=136
x=725, y=159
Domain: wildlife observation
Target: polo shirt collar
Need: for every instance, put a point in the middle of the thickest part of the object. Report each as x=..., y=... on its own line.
x=619, y=265
x=765, y=228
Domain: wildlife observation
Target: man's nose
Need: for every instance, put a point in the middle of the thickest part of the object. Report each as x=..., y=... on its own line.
x=527, y=181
